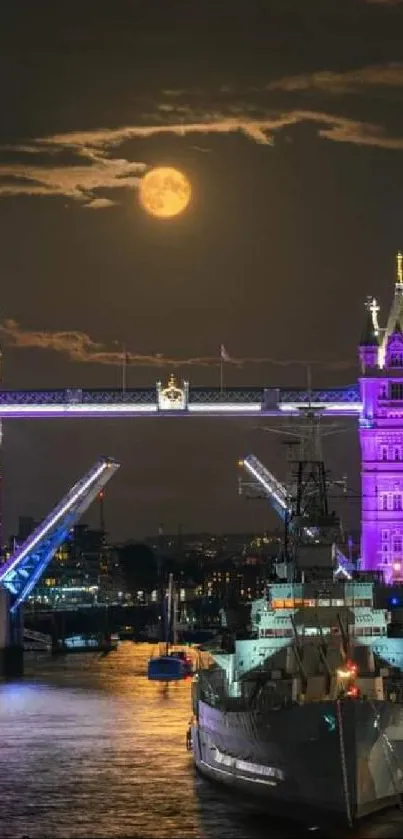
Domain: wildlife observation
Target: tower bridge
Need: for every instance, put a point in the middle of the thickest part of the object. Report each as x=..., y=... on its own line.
x=177, y=400
x=375, y=401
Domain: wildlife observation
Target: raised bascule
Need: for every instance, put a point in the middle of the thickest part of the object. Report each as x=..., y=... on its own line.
x=376, y=400
x=21, y=572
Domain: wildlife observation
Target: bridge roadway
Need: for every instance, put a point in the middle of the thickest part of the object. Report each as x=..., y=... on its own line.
x=174, y=400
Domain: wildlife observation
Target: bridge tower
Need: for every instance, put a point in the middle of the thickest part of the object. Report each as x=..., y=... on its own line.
x=381, y=438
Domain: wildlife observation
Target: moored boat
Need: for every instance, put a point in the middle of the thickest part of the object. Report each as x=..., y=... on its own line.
x=85, y=643
x=172, y=663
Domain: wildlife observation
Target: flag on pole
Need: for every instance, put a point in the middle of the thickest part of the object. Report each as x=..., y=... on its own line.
x=223, y=358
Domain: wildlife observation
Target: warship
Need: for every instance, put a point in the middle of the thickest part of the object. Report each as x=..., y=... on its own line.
x=301, y=705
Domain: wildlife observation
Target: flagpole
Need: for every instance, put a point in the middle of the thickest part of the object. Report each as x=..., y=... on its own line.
x=223, y=358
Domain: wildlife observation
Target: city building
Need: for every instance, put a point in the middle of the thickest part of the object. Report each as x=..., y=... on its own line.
x=235, y=578
x=84, y=571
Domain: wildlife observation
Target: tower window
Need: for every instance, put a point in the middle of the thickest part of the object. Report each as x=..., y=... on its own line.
x=396, y=391
x=396, y=360
x=397, y=453
x=384, y=453
x=384, y=501
x=397, y=501
x=385, y=535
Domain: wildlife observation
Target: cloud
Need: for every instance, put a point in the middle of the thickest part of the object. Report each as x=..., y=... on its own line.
x=82, y=166
x=80, y=348
x=78, y=182
x=260, y=129
x=351, y=81
x=76, y=345
x=216, y=123
x=100, y=203
x=201, y=149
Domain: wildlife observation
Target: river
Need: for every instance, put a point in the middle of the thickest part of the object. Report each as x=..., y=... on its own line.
x=90, y=748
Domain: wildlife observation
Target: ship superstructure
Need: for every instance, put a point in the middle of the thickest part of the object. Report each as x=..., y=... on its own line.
x=297, y=620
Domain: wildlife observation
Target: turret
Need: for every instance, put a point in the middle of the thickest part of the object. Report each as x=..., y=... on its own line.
x=394, y=347
x=369, y=344
x=395, y=318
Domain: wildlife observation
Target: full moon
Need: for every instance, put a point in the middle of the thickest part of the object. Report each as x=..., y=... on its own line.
x=164, y=192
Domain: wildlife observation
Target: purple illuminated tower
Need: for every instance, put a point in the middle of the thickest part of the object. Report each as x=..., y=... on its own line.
x=381, y=438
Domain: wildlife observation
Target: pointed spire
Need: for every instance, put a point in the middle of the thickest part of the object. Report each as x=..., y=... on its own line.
x=399, y=269
x=369, y=335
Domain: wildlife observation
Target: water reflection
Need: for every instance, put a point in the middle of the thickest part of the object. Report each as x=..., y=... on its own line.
x=91, y=748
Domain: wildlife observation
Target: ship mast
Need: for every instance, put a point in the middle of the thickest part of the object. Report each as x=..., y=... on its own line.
x=309, y=523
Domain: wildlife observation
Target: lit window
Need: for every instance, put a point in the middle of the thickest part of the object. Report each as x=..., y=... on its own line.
x=397, y=501
x=396, y=391
x=277, y=604
x=384, y=501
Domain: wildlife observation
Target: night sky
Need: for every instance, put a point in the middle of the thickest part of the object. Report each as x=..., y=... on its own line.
x=286, y=117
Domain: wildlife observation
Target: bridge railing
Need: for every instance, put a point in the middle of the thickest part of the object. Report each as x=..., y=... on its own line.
x=268, y=397
x=77, y=396
x=351, y=393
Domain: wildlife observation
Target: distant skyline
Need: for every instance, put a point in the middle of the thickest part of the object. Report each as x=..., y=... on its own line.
x=286, y=119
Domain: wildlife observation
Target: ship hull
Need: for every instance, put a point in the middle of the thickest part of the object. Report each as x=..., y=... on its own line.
x=342, y=758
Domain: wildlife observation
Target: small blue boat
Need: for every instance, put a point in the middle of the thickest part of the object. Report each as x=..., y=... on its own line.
x=172, y=664
x=165, y=668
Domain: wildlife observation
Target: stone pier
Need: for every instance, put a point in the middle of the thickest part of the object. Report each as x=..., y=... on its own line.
x=11, y=639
